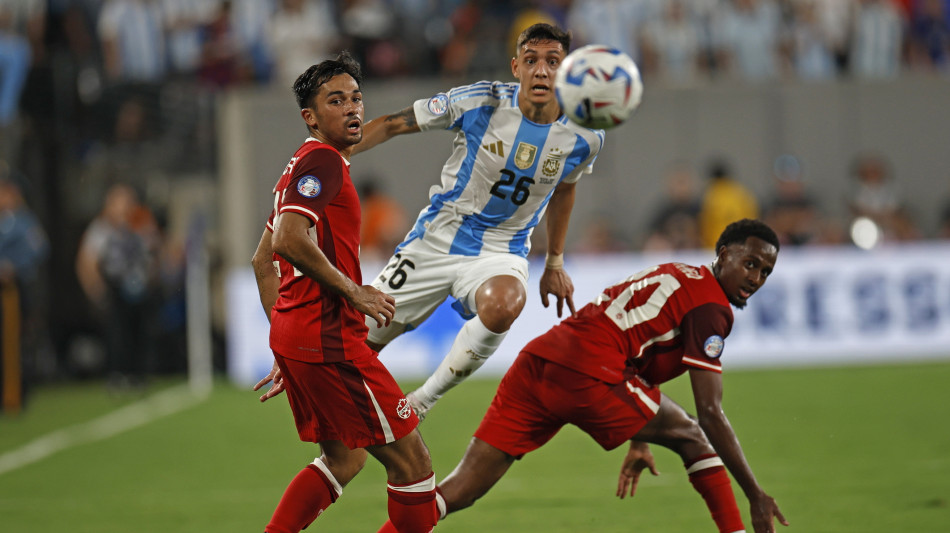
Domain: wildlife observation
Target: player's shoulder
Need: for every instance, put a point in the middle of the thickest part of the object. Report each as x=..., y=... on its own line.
x=595, y=138
x=481, y=93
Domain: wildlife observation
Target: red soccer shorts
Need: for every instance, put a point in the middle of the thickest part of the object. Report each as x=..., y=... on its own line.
x=357, y=402
x=537, y=397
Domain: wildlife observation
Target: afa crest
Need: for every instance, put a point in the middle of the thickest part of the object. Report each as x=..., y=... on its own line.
x=552, y=164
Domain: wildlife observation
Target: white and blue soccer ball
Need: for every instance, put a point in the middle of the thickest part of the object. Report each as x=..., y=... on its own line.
x=598, y=86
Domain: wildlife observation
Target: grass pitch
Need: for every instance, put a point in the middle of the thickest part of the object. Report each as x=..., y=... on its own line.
x=861, y=449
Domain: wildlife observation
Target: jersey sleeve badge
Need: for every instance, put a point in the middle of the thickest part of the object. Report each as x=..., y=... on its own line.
x=309, y=186
x=438, y=105
x=713, y=346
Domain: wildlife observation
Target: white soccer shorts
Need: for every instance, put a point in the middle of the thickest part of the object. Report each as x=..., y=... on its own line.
x=421, y=278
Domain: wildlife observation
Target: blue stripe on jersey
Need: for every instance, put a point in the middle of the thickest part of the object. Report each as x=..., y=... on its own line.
x=581, y=151
x=480, y=118
x=483, y=88
x=468, y=240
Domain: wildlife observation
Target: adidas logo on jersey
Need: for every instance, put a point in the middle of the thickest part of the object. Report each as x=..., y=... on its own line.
x=496, y=148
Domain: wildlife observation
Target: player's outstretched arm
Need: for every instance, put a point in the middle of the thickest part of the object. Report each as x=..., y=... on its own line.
x=555, y=280
x=638, y=458
x=381, y=129
x=707, y=392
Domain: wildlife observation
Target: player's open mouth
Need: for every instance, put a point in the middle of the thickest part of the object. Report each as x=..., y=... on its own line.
x=744, y=294
x=540, y=89
x=353, y=126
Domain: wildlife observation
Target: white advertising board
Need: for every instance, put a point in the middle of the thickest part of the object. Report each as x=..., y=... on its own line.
x=821, y=306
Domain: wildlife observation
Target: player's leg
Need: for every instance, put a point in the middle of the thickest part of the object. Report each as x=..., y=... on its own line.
x=411, y=484
x=495, y=288
x=478, y=471
x=315, y=487
x=674, y=428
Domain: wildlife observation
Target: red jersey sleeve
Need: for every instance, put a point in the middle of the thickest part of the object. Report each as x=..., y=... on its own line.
x=704, y=330
x=316, y=180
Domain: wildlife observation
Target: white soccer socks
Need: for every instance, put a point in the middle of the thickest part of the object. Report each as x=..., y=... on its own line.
x=473, y=345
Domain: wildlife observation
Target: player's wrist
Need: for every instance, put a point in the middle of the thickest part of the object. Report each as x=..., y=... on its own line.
x=554, y=261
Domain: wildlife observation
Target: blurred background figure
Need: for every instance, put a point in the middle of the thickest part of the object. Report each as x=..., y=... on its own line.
x=929, y=35
x=673, y=45
x=599, y=235
x=747, y=35
x=24, y=249
x=724, y=200
x=301, y=33
x=383, y=224
x=792, y=212
x=22, y=24
x=876, y=40
x=876, y=198
x=118, y=267
x=675, y=225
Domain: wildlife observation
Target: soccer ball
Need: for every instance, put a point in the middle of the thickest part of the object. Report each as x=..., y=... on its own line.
x=598, y=86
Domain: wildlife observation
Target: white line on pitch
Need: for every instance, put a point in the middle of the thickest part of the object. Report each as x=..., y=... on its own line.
x=131, y=416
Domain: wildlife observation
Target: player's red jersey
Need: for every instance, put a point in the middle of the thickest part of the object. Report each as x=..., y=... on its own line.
x=309, y=323
x=656, y=324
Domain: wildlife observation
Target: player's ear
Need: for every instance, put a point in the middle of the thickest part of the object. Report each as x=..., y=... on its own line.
x=309, y=116
x=514, y=66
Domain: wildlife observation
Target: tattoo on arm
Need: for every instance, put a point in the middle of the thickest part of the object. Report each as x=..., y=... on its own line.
x=407, y=115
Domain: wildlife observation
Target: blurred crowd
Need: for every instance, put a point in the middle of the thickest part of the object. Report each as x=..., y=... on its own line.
x=106, y=104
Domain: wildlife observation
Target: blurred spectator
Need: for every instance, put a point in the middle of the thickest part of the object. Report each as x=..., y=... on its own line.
x=384, y=222
x=746, y=34
x=132, y=36
x=673, y=45
x=117, y=266
x=248, y=26
x=930, y=35
x=24, y=248
x=301, y=33
x=22, y=25
x=615, y=23
x=834, y=18
x=812, y=48
x=675, y=225
x=222, y=62
x=876, y=40
x=876, y=197
x=183, y=22
x=792, y=213
x=370, y=27
x=725, y=200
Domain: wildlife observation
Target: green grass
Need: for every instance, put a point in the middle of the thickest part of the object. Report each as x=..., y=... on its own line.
x=860, y=449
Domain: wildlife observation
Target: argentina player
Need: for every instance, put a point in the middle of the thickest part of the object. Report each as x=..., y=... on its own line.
x=515, y=156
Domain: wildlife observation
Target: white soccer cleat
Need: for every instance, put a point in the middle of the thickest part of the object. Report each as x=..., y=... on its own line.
x=420, y=408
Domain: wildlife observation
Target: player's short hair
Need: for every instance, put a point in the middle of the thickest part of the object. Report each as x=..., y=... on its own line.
x=739, y=231
x=308, y=84
x=544, y=32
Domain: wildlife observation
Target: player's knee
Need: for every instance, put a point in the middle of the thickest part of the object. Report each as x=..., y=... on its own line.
x=499, y=315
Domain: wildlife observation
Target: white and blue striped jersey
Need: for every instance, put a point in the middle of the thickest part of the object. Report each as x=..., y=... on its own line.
x=497, y=183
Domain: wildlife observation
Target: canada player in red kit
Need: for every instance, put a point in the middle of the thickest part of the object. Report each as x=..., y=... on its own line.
x=308, y=274
x=600, y=370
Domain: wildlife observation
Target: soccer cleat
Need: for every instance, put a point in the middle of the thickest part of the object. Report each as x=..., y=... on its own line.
x=420, y=408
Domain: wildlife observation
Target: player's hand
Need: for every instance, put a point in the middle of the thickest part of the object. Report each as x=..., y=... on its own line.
x=275, y=389
x=638, y=457
x=558, y=283
x=375, y=304
x=764, y=513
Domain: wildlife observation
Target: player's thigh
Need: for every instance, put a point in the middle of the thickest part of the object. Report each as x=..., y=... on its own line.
x=517, y=421
x=420, y=280
x=474, y=271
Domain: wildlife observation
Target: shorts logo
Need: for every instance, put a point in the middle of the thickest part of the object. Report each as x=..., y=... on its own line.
x=524, y=155
x=438, y=105
x=713, y=346
x=403, y=409
x=309, y=186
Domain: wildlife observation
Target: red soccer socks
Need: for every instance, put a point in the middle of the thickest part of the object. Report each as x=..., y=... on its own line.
x=709, y=478
x=412, y=507
x=308, y=495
